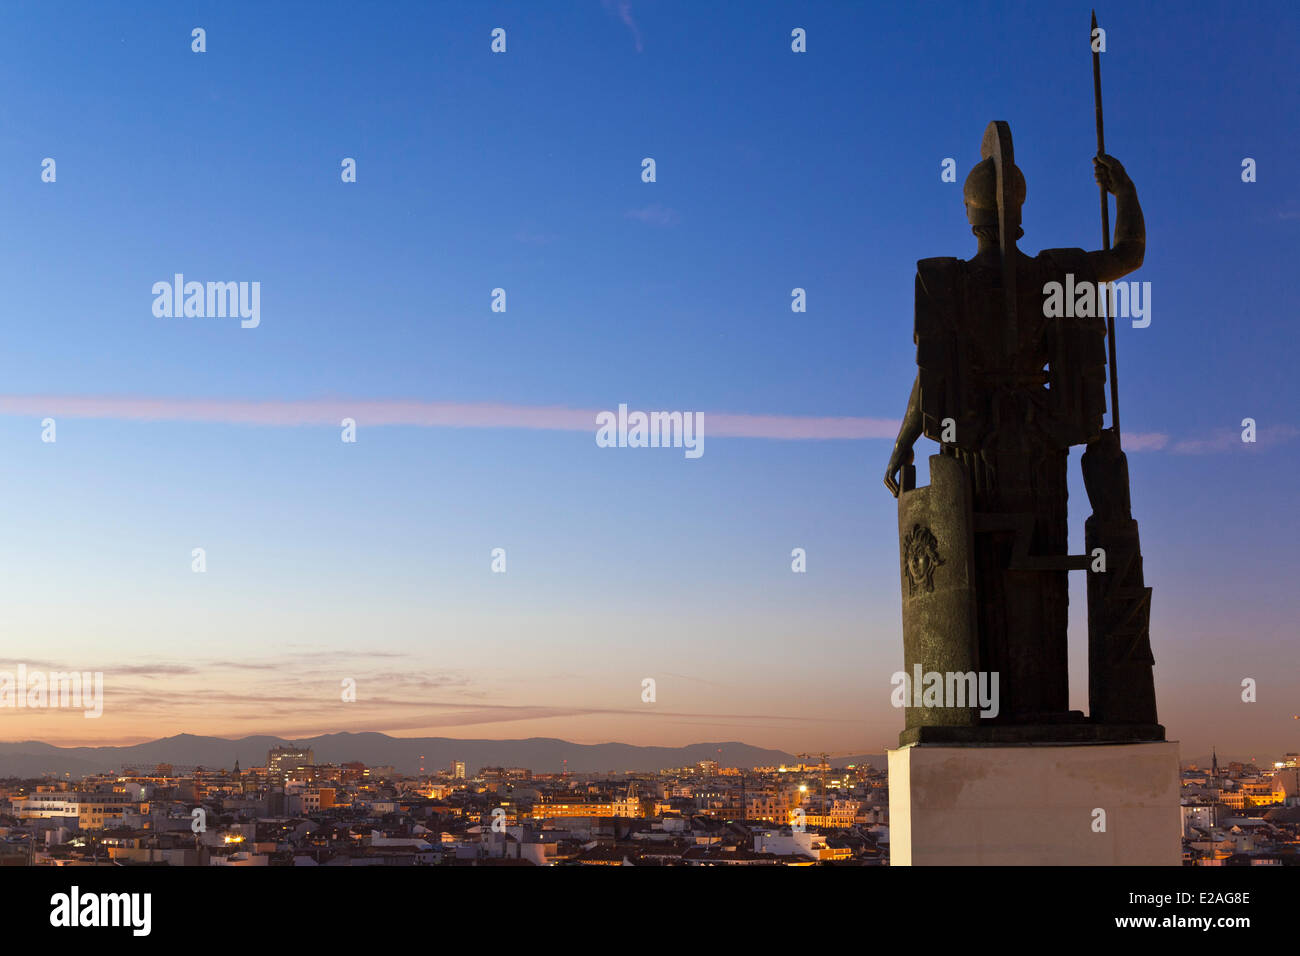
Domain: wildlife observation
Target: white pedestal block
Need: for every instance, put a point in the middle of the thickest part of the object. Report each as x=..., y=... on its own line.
x=1035, y=805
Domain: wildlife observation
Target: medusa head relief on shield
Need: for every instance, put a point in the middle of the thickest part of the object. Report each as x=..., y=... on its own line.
x=920, y=559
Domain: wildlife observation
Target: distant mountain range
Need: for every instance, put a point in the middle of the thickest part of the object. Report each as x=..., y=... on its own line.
x=33, y=758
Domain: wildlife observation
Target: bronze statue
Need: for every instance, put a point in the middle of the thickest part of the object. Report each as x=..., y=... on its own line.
x=1007, y=386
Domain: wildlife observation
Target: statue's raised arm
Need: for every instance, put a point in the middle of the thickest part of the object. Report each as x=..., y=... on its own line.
x=1130, y=228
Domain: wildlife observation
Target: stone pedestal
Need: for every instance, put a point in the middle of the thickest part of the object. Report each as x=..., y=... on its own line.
x=1035, y=805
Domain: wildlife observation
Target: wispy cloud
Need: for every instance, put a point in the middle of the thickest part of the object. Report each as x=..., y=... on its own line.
x=1229, y=439
x=419, y=414
x=655, y=214
x=623, y=10
x=1145, y=441
x=495, y=714
x=398, y=412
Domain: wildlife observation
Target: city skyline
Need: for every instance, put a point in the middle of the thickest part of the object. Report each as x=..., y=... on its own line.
x=294, y=809
x=417, y=755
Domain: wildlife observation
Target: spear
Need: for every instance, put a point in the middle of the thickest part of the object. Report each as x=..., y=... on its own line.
x=1105, y=230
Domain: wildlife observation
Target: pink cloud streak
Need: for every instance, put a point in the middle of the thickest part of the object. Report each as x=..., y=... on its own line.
x=420, y=414
x=372, y=412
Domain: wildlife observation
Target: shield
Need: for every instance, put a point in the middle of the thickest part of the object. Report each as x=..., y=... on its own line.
x=936, y=568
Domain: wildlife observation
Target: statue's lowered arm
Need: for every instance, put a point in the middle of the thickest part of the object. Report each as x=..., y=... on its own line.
x=908, y=433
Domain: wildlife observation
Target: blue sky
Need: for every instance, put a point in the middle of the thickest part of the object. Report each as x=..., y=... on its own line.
x=521, y=170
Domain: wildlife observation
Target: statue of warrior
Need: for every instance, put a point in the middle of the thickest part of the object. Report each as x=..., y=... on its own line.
x=1006, y=386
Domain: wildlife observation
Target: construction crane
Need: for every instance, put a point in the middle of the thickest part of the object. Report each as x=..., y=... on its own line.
x=824, y=766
